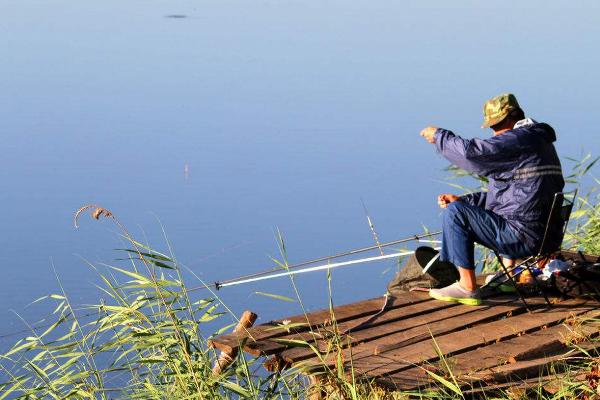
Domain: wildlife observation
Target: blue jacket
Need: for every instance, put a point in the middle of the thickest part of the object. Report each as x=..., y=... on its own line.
x=523, y=170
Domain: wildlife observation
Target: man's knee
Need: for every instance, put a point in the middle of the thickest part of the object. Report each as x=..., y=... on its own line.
x=455, y=213
x=455, y=208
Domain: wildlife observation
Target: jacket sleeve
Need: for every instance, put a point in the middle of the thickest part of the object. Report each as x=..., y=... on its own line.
x=475, y=199
x=478, y=156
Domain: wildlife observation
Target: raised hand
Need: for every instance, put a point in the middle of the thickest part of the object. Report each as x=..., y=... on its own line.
x=429, y=133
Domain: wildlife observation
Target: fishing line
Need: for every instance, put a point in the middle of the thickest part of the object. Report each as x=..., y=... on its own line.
x=386, y=296
x=372, y=227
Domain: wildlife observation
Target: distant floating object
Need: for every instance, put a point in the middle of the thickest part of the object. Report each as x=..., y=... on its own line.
x=176, y=16
x=186, y=171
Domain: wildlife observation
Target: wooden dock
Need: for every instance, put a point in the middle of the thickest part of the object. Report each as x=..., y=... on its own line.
x=487, y=345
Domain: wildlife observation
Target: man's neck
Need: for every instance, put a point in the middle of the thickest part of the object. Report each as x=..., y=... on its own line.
x=509, y=126
x=501, y=131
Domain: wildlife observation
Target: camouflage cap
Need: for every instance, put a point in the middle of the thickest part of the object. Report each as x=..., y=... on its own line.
x=497, y=108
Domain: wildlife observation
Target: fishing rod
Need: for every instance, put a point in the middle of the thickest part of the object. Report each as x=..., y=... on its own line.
x=220, y=285
x=379, y=246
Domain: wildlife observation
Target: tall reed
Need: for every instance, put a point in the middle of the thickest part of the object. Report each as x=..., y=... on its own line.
x=145, y=340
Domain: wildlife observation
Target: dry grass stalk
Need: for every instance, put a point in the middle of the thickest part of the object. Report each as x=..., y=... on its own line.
x=96, y=213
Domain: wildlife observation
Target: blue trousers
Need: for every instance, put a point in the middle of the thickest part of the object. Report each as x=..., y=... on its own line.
x=465, y=224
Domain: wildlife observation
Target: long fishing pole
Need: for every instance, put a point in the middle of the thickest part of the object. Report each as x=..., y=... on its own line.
x=220, y=284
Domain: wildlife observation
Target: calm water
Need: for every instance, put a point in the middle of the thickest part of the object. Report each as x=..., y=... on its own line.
x=248, y=116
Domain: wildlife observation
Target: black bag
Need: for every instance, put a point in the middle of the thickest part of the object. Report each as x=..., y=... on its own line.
x=439, y=274
x=581, y=279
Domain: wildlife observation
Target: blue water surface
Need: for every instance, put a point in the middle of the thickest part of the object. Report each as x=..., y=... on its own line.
x=227, y=120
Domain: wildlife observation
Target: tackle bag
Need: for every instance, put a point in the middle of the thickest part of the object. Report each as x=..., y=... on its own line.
x=580, y=279
x=438, y=274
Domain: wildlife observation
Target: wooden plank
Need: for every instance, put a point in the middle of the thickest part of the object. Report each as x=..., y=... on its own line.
x=484, y=357
x=551, y=384
x=319, y=335
x=534, y=345
x=272, y=329
x=465, y=340
x=533, y=368
x=489, y=311
x=394, y=322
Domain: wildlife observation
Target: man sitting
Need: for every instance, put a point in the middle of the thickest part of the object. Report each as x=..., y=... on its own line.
x=524, y=172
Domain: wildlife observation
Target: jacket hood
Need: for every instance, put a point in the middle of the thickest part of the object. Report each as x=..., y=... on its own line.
x=539, y=128
x=546, y=131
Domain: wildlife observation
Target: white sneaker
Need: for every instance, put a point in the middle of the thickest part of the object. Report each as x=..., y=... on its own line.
x=457, y=294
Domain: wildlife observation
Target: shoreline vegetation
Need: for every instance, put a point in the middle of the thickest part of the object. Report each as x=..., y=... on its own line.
x=146, y=339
